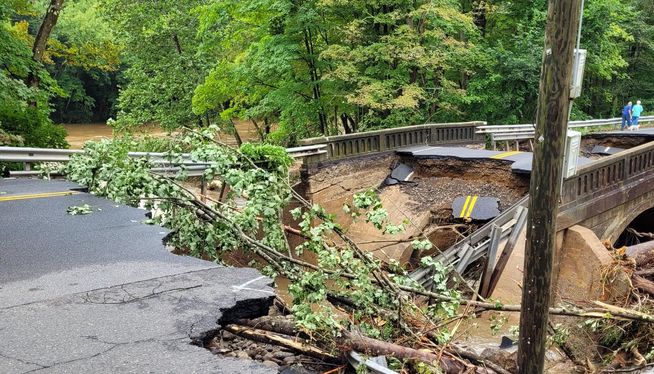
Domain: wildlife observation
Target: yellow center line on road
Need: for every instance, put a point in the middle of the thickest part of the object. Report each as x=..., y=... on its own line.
x=465, y=207
x=505, y=154
x=471, y=206
x=37, y=195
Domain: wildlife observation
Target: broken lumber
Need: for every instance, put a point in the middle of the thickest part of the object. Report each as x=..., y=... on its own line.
x=615, y=312
x=294, y=344
x=263, y=328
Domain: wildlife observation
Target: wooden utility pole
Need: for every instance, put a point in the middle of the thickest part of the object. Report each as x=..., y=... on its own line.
x=545, y=185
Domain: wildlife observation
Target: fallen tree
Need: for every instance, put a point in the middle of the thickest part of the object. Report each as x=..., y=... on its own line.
x=383, y=302
x=260, y=329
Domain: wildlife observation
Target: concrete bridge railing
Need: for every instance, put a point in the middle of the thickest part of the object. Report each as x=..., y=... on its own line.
x=606, y=184
x=350, y=145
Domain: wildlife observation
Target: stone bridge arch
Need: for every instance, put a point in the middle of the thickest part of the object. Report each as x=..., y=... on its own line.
x=610, y=224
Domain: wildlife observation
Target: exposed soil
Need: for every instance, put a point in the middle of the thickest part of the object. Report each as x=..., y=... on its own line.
x=437, y=182
x=590, y=141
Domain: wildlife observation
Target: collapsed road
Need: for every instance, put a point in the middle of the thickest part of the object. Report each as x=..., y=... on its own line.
x=101, y=293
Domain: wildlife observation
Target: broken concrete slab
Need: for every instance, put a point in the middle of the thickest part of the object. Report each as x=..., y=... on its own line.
x=401, y=173
x=475, y=208
x=602, y=150
x=146, y=326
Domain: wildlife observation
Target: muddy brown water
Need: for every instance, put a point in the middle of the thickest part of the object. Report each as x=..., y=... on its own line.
x=79, y=133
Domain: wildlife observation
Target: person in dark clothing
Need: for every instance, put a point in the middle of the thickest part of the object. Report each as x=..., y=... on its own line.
x=626, y=115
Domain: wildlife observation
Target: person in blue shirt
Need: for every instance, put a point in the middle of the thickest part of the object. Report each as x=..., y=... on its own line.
x=635, y=115
x=626, y=116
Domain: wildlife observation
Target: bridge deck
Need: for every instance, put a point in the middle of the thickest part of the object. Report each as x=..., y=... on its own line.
x=520, y=161
x=100, y=292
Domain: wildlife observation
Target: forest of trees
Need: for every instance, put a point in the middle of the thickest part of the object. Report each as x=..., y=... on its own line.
x=298, y=68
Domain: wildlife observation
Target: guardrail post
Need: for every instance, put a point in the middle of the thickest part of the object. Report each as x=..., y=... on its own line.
x=27, y=166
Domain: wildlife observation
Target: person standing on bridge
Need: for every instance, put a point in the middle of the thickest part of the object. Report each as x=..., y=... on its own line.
x=626, y=116
x=635, y=115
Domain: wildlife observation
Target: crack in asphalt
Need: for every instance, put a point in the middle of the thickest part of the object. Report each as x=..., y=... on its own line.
x=88, y=297
x=21, y=360
x=108, y=288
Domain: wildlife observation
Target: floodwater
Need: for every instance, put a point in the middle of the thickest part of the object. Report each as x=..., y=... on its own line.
x=79, y=133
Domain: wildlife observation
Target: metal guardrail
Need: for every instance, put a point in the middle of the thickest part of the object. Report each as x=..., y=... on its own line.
x=350, y=145
x=475, y=246
x=29, y=156
x=527, y=131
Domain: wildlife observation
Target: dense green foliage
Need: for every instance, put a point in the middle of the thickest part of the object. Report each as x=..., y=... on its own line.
x=303, y=68
x=249, y=220
x=24, y=109
x=330, y=66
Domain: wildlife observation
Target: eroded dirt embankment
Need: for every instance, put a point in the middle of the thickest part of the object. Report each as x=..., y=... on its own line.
x=424, y=204
x=589, y=142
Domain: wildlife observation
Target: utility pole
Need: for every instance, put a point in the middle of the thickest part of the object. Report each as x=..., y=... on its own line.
x=545, y=185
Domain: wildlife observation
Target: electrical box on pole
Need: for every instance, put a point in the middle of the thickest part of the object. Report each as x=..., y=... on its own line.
x=578, y=73
x=572, y=147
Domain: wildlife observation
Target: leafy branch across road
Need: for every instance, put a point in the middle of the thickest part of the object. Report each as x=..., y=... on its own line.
x=380, y=303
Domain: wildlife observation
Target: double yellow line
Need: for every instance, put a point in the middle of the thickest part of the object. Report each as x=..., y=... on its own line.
x=37, y=195
x=505, y=154
x=468, y=206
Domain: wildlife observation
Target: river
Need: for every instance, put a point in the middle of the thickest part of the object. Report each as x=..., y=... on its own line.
x=79, y=133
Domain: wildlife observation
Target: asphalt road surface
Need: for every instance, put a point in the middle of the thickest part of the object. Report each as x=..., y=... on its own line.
x=100, y=293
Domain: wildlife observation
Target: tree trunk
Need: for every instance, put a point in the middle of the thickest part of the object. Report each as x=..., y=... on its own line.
x=178, y=46
x=256, y=126
x=41, y=40
x=237, y=136
x=545, y=185
x=49, y=22
x=347, y=341
x=353, y=124
x=346, y=125
x=313, y=73
x=642, y=253
x=266, y=126
x=643, y=284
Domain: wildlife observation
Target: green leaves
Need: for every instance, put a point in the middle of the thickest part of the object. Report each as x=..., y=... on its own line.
x=79, y=210
x=375, y=213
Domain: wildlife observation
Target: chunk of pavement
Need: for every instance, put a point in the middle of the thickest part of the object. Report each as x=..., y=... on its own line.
x=476, y=208
x=602, y=150
x=401, y=173
x=506, y=343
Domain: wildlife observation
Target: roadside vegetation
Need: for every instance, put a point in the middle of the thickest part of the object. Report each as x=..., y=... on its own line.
x=300, y=69
x=343, y=298
x=296, y=69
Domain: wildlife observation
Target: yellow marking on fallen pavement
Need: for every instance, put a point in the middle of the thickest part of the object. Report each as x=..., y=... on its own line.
x=37, y=195
x=471, y=206
x=465, y=207
x=505, y=154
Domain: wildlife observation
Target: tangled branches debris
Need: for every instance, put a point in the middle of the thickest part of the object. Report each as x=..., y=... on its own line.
x=344, y=294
